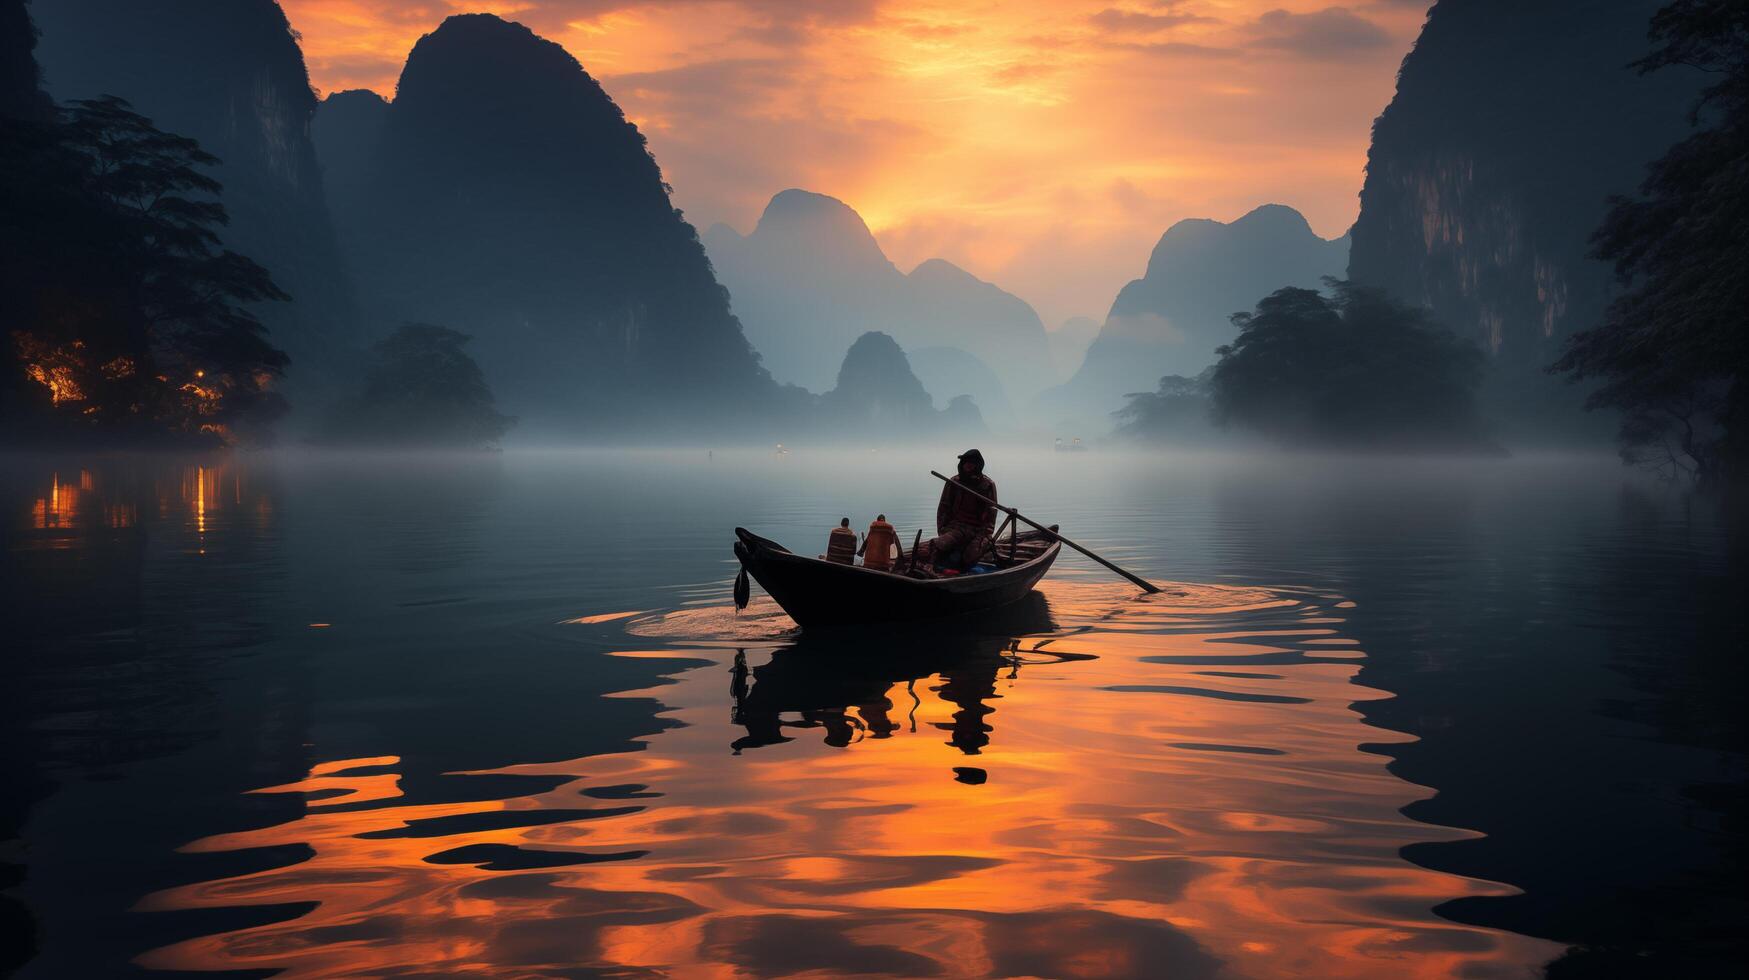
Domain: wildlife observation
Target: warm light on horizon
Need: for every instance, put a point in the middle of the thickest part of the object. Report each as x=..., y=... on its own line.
x=1043, y=146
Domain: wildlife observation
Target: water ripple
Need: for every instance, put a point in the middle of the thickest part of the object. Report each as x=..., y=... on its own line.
x=915, y=805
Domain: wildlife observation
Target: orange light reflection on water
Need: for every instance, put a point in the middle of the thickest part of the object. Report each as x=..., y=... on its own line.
x=60, y=508
x=1190, y=801
x=205, y=499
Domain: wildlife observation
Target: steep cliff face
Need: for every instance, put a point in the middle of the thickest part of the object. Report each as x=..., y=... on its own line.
x=228, y=73
x=21, y=94
x=1512, y=124
x=348, y=131
x=1170, y=321
x=810, y=278
x=509, y=197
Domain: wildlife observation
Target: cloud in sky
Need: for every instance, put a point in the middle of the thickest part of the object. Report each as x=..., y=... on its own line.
x=1119, y=21
x=1334, y=32
x=1042, y=144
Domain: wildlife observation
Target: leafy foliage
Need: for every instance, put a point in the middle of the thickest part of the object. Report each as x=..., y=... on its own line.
x=126, y=318
x=1511, y=125
x=1671, y=349
x=422, y=389
x=1177, y=412
x=1354, y=369
x=230, y=74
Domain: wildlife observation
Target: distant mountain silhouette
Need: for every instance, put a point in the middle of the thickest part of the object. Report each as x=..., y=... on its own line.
x=509, y=196
x=21, y=94
x=878, y=397
x=228, y=73
x=348, y=131
x=810, y=278
x=947, y=372
x=1170, y=321
x=957, y=309
x=1069, y=343
x=1511, y=124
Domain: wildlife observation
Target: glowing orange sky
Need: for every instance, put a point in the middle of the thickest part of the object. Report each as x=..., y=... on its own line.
x=1042, y=144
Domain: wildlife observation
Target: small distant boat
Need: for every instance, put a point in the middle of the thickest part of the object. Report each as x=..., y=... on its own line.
x=1073, y=446
x=818, y=593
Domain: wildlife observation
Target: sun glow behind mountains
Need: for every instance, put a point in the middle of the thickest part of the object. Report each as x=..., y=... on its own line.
x=1042, y=145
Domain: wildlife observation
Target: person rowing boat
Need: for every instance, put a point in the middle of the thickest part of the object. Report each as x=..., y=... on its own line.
x=964, y=522
x=820, y=593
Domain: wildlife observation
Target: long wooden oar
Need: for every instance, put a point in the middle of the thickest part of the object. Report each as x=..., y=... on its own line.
x=1137, y=580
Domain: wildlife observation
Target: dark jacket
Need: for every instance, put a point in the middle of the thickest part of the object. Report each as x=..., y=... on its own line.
x=963, y=508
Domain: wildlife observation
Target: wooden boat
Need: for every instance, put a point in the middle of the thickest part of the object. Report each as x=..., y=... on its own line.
x=818, y=593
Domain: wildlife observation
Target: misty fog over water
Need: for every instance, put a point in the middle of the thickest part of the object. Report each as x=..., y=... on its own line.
x=286, y=707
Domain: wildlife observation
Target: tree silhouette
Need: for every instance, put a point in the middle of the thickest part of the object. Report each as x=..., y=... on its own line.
x=126, y=319
x=421, y=389
x=1355, y=369
x=1671, y=349
x=1176, y=412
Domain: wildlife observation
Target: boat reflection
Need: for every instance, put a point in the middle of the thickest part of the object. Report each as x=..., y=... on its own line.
x=843, y=685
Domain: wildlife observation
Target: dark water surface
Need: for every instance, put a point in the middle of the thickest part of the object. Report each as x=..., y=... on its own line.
x=347, y=715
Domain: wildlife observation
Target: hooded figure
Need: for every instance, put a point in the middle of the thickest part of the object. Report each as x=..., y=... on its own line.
x=963, y=523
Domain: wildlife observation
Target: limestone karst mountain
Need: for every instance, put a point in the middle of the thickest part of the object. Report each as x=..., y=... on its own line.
x=21, y=94
x=230, y=74
x=1170, y=321
x=1481, y=195
x=1069, y=343
x=878, y=398
x=957, y=309
x=811, y=278
x=503, y=192
x=348, y=130
x=948, y=372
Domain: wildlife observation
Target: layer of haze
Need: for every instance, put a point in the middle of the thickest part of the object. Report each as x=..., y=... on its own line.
x=1041, y=144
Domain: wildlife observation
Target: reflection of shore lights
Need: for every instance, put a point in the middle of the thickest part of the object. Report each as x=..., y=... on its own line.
x=59, y=508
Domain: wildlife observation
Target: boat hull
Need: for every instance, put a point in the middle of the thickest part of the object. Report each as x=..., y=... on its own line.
x=819, y=594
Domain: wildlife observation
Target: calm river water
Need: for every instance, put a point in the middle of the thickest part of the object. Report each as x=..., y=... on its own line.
x=332, y=715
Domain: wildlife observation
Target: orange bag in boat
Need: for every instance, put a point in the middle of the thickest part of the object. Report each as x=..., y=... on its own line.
x=879, y=545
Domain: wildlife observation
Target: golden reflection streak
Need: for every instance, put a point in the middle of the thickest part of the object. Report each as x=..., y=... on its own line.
x=60, y=508
x=1091, y=817
x=95, y=501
